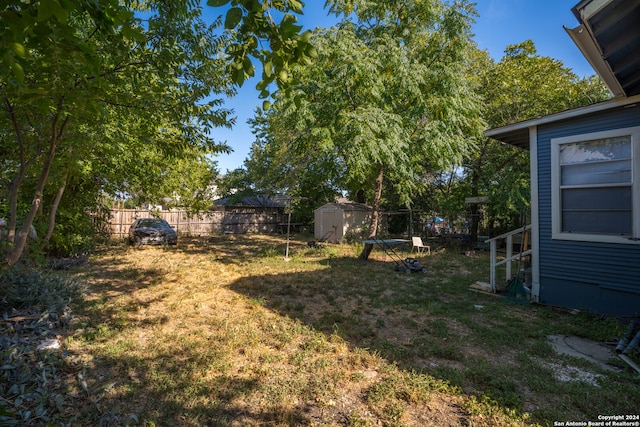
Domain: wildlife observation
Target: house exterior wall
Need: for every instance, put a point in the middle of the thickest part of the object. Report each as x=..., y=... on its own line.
x=598, y=277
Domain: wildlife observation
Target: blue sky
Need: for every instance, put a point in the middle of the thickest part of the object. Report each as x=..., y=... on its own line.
x=501, y=23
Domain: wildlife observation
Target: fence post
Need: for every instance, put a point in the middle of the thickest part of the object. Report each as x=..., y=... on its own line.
x=121, y=214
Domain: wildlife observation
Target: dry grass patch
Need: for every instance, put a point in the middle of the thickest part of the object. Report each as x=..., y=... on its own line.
x=222, y=332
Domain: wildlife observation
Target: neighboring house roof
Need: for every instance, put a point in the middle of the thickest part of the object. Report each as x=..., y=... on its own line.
x=518, y=133
x=609, y=38
x=261, y=201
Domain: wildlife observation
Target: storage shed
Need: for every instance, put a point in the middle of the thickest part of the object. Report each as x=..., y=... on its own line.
x=333, y=220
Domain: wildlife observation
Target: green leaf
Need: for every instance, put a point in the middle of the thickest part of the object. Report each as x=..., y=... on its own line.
x=306, y=36
x=68, y=4
x=283, y=76
x=233, y=18
x=237, y=76
x=248, y=66
x=46, y=9
x=19, y=50
x=18, y=71
x=268, y=69
x=262, y=85
x=266, y=105
x=312, y=52
x=50, y=8
x=296, y=6
x=217, y=3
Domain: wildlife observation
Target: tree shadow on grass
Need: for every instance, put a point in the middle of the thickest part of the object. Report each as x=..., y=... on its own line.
x=179, y=380
x=479, y=343
x=419, y=322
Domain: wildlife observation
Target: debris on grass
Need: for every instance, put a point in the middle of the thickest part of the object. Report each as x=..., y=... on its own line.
x=36, y=310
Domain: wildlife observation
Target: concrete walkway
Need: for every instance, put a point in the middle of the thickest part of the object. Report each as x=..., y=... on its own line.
x=593, y=351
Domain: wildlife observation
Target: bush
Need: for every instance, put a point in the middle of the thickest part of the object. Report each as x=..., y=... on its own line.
x=355, y=235
x=35, y=308
x=74, y=235
x=35, y=291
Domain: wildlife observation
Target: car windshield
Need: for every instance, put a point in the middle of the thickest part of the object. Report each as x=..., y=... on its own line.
x=152, y=223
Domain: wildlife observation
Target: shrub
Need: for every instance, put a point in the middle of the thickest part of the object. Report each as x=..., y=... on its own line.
x=36, y=307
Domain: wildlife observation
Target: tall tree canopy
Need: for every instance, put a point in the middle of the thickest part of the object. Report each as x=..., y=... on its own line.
x=90, y=84
x=521, y=86
x=388, y=89
x=254, y=26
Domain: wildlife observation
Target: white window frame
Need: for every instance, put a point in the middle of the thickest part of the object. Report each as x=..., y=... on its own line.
x=556, y=205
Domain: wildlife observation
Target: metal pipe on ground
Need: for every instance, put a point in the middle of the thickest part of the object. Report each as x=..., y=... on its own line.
x=622, y=344
x=634, y=342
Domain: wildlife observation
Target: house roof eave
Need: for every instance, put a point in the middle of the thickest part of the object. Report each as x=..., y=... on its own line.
x=517, y=134
x=609, y=37
x=585, y=42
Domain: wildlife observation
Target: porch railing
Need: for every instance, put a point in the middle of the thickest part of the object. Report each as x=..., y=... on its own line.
x=510, y=256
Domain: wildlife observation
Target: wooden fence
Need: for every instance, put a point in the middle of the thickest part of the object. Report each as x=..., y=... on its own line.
x=205, y=223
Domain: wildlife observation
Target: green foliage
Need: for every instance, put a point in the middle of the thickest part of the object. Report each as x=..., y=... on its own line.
x=75, y=235
x=235, y=185
x=386, y=91
x=252, y=25
x=521, y=86
x=524, y=85
x=92, y=90
x=29, y=378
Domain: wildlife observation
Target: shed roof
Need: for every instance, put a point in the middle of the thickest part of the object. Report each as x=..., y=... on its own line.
x=259, y=200
x=348, y=206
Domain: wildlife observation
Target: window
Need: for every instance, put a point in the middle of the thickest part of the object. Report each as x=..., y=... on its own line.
x=595, y=180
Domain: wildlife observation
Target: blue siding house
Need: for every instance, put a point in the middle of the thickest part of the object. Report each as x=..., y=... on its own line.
x=585, y=175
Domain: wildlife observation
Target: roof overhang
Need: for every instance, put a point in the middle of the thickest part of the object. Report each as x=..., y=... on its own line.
x=609, y=38
x=517, y=134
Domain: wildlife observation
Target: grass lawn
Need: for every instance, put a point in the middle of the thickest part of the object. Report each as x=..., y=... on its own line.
x=221, y=331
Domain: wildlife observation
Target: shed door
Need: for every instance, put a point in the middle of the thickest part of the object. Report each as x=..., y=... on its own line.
x=331, y=224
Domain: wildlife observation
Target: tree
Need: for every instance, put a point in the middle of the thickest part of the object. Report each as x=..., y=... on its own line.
x=253, y=25
x=87, y=77
x=386, y=91
x=521, y=86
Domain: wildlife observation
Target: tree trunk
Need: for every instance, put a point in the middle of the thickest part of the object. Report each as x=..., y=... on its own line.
x=475, y=219
x=15, y=251
x=54, y=208
x=17, y=181
x=13, y=208
x=375, y=214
